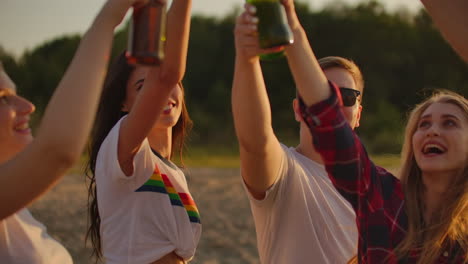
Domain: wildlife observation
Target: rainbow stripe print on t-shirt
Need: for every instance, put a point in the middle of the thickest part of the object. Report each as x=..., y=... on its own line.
x=160, y=183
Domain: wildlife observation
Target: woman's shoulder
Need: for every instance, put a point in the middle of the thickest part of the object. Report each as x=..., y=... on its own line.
x=113, y=134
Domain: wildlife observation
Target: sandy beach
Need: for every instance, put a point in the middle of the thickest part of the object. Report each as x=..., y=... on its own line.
x=228, y=229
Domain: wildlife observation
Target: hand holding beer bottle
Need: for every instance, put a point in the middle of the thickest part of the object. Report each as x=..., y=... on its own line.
x=273, y=28
x=147, y=33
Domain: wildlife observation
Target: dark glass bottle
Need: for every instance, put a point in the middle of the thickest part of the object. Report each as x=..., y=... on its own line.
x=147, y=34
x=273, y=27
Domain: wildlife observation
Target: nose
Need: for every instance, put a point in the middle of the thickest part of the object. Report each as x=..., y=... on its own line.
x=433, y=131
x=176, y=90
x=24, y=106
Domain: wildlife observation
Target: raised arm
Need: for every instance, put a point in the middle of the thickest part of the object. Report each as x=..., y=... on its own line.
x=311, y=83
x=68, y=118
x=452, y=20
x=260, y=151
x=345, y=159
x=159, y=83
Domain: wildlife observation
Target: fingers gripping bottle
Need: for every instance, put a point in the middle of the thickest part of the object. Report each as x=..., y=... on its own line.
x=273, y=27
x=147, y=34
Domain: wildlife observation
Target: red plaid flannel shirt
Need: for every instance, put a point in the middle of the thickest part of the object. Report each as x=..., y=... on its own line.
x=375, y=194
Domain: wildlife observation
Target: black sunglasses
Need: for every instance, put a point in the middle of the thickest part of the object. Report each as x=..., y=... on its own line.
x=349, y=96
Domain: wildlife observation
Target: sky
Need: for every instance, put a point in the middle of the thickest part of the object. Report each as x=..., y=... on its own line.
x=25, y=24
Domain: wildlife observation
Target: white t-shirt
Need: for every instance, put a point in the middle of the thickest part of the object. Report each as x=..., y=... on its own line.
x=24, y=240
x=303, y=219
x=148, y=214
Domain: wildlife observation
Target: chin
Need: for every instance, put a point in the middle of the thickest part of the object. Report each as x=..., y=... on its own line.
x=27, y=140
x=170, y=122
x=25, y=144
x=435, y=168
x=165, y=124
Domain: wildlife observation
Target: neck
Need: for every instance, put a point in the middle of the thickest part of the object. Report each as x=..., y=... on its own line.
x=435, y=185
x=161, y=141
x=306, y=147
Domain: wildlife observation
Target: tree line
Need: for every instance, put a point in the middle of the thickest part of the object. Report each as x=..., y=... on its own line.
x=402, y=57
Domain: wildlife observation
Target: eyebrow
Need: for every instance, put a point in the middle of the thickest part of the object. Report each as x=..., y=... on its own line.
x=443, y=116
x=139, y=82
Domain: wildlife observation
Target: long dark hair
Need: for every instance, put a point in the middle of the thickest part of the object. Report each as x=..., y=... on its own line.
x=109, y=113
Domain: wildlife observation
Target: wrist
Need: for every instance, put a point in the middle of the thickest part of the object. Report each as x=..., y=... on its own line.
x=299, y=35
x=246, y=59
x=297, y=30
x=111, y=14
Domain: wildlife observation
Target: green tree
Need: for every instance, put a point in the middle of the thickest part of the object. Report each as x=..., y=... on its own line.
x=402, y=56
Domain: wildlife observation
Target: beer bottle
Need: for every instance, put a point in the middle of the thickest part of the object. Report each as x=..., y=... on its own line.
x=147, y=34
x=273, y=27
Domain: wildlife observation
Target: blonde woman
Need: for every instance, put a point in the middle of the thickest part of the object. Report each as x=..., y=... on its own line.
x=439, y=199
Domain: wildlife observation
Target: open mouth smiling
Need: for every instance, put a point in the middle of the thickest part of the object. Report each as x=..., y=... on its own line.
x=167, y=109
x=433, y=149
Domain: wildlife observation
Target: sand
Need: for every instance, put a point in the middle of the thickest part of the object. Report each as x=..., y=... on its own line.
x=228, y=229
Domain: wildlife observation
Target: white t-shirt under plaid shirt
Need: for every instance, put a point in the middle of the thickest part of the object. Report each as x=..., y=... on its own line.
x=303, y=219
x=148, y=214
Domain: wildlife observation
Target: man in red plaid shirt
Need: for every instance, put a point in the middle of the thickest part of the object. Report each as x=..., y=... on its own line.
x=377, y=196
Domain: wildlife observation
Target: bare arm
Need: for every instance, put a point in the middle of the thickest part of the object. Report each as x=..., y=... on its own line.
x=452, y=20
x=158, y=84
x=67, y=120
x=260, y=151
x=308, y=76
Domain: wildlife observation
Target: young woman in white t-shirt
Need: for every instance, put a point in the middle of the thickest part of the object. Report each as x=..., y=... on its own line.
x=140, y=207
x=28, y=168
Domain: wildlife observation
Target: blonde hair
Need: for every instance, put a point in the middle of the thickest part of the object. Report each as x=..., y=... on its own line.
x=346, y=64
x=353, y=260
x=450, y=225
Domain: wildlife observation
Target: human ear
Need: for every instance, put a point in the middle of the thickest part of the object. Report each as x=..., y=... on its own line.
x=297, y=111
